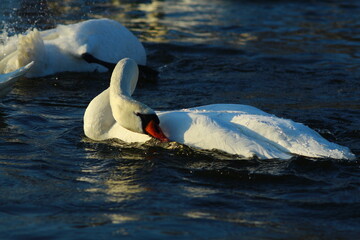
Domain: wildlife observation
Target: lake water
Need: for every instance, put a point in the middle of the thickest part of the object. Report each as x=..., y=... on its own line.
x=295, y=59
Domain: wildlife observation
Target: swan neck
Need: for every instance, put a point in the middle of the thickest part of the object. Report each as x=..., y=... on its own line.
x=124, y=79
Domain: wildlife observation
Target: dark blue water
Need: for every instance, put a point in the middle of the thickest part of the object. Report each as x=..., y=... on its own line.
x=295, y=59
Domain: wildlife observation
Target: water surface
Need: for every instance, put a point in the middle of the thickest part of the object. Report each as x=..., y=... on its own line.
x=295, y=59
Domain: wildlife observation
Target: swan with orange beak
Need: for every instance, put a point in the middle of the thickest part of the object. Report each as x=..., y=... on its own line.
x=233, y=128
x=115, y=114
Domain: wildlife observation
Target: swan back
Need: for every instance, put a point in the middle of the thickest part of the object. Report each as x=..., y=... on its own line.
x=105, y=39
x=60, y=49
x=247, y=131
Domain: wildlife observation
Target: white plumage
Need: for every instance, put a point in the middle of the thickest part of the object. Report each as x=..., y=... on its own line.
x=233, y=128
x=60, y=49
x=7, y=80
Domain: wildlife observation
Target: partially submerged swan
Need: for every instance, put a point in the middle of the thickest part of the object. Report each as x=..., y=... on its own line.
x=93, y=45
x=7, y=80
x=236, y=129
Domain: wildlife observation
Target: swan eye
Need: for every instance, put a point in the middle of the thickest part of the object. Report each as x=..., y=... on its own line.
x=146, y=118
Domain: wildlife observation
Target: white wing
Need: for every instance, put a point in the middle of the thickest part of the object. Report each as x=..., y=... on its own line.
x=7, y=80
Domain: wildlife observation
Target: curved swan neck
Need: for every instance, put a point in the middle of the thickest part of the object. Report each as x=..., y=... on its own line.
x=124, y=108
x=124, y=78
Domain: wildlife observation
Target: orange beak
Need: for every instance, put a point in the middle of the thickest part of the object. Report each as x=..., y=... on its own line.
x=155, y=131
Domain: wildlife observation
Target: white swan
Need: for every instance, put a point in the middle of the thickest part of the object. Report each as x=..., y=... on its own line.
x=7, y=80
x=93, y=45
x=236, y=129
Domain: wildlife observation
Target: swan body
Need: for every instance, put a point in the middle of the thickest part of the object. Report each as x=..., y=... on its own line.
x=7, y=80
x=246, y=131
x=232, y=128
x=61, y=49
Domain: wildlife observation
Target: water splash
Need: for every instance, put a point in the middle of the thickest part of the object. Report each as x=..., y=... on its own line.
x=5, y=32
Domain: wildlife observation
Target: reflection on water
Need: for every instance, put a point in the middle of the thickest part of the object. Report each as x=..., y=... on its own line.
x=236, y=218
x=182, y=21
x=118, y=187
x=198, y=192
x=296, y=59
x=152, y=21
x=201, y=22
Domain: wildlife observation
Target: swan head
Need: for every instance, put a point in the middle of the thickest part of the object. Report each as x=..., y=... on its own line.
x=129, y=113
